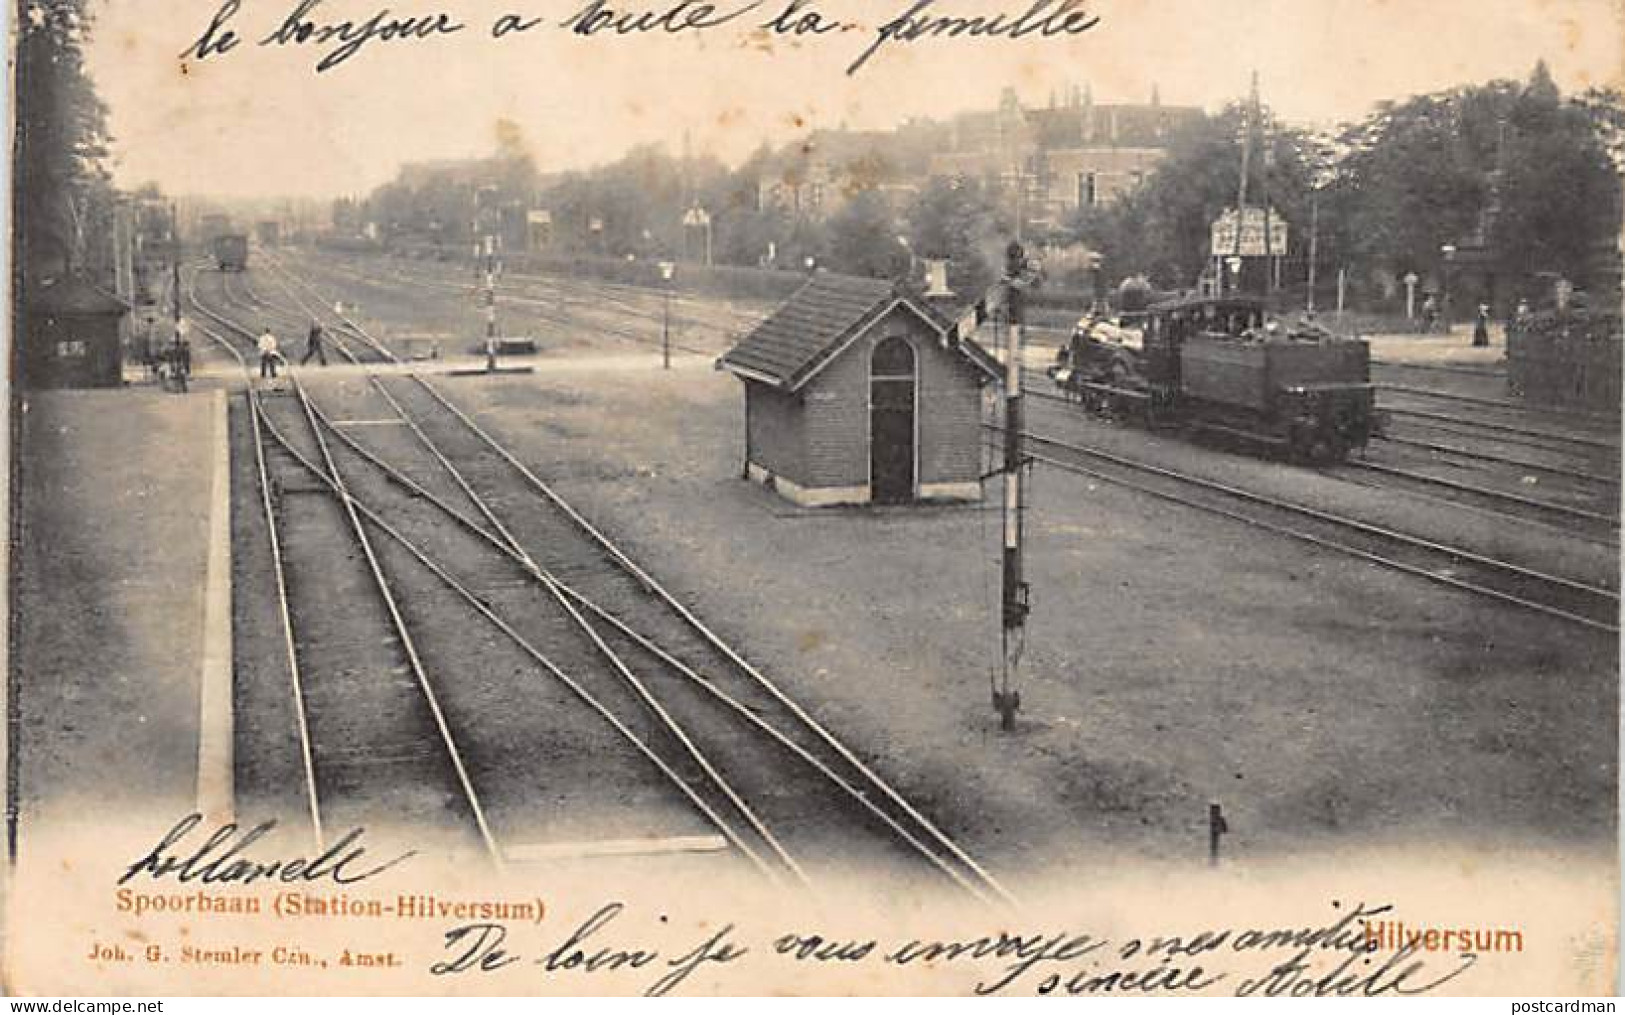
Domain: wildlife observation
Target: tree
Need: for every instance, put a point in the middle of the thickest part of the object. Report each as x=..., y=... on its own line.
x=1559, y=196
x=1518, y=167
x=63, y=197
x=956, y=220
x=1418, y=177
x=863, y=239
x=1162, y=229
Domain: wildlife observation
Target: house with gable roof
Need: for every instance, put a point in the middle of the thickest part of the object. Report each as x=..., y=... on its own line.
x=859, y=392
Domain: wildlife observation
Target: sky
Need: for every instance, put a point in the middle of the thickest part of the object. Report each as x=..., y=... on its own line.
x=260, y=121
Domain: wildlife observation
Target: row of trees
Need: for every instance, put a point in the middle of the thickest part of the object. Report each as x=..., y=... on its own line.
x=1513, y=165
x=636, y=207
x=63, y=197
x=1516, y=167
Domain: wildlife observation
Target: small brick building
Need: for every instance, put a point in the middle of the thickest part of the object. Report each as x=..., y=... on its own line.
x=857, y=393
x=73, y=338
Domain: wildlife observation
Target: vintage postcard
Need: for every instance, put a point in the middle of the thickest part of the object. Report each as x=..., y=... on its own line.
x=713, y=497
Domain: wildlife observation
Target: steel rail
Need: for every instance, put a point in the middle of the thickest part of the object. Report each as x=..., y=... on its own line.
x=1485, y=492
x=610, y=655
x=522, y=289
x=1516, y=434
x=1039, y=393
x=284, y=610
x=288, y=317
x=722, y=646
x=1378, y=532
x=560, y=317
x=1531, y=503
x=307, y=755
x=403, y=632
x=282, y=278
x=1521, y=463
x=706, y=810
x=1447, y=368
x=525, y=645
x=1495, y=403
x=869, y=776
x=528, y=565
x=563, y=322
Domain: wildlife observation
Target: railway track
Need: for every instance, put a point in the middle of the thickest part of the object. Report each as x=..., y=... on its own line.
x=1595, y=525
x=1506, y=433
x=761, y=771
x=1604, y=484
x=374, y=743
x=1561, y=519
x=1490, y=371
x=557, y=312
x=1575, y=602
x=1603, y=426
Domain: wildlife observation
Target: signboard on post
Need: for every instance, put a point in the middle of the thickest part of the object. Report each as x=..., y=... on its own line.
x=1252, y=234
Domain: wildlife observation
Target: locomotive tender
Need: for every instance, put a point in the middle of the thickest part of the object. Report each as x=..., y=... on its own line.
x=1212, y=363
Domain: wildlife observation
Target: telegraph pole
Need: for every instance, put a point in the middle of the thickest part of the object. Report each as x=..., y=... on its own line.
x=1247, y=114
x=1314, y=246
x=1006, y=697
x=175, y=261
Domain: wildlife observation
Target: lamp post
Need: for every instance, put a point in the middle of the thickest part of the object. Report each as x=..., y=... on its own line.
x=1448, y=253
x=1092, y=262
x=667, y=270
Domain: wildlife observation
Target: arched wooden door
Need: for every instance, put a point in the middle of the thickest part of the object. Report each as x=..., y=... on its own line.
x=891, y=422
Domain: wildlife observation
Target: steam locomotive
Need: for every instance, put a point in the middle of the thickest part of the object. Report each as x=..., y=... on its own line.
x=1215, y=363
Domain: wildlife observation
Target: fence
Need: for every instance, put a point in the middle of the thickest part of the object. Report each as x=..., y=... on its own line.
x=1566, y=360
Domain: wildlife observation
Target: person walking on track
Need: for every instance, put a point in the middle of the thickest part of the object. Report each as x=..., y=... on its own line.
x=313, y=345
x=268, y=354
x=1481, y=329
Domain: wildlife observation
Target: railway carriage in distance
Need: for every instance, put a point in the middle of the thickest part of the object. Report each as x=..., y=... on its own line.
x=1214, y=363
x=231, y=252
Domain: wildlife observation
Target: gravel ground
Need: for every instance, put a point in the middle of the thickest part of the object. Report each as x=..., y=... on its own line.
x=1494, y=536
x=1173, y=659
x=409, y=304
x=270, y=774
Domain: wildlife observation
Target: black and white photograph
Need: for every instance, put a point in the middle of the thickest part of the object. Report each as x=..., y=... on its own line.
x=1081, y=498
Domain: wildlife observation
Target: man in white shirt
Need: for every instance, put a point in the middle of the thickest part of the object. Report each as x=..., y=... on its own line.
x=268, y=354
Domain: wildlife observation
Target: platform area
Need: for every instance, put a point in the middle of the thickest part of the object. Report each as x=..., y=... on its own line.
x=123, y=648
x=1454, y=348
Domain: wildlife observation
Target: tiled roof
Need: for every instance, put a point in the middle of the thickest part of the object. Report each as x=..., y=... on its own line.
x=804, y=334
x=793, y=340
x=74, y=295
